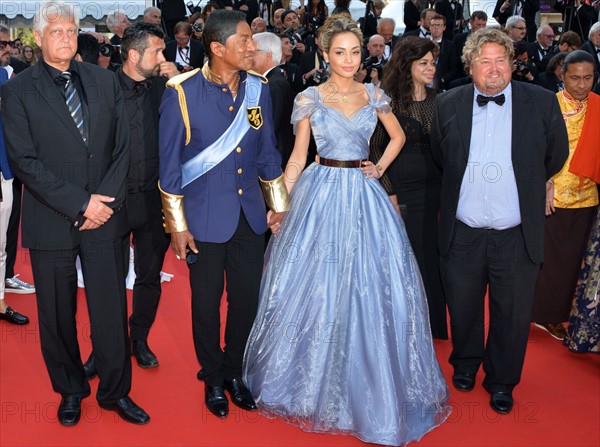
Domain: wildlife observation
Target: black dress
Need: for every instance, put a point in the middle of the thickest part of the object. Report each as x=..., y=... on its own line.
x=416, y=180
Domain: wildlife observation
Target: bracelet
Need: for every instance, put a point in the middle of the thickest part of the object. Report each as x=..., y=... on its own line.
x=379, y=168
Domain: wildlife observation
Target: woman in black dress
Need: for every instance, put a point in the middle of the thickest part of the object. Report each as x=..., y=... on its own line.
x=413, y=177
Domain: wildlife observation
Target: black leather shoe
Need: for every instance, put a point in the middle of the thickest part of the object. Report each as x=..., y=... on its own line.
x=142, y=353
x=13, y=317
x=128, y=411
x=216, y=401
x=69, y=410
x=240, y=394
x=501, y=402
x=463, y=381
x=90, y=367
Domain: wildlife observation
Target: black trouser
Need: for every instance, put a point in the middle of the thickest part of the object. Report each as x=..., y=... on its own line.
x=12, y=233
x=479, y=258
x=150, y=244
x=104, y=269
x=241, y=258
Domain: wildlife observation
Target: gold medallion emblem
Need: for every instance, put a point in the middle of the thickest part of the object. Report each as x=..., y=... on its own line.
x=255, y=117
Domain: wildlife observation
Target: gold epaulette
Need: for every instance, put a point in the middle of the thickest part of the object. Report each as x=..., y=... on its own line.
x=263, y=79
x=173, y=214
x=275, y=194
x=175, y=82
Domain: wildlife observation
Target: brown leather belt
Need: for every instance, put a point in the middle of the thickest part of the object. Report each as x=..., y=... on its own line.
x=339, y=163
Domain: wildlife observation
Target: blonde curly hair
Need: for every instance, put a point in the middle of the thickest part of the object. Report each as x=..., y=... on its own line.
x=476, y=41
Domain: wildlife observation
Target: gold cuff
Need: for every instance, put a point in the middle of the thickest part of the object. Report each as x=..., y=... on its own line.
x=276, y=194
x=173, y=215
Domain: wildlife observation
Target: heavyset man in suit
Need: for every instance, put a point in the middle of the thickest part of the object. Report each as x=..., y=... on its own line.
x=73, y=164
x=498, y=142
x=215, y=139
x=187, y=53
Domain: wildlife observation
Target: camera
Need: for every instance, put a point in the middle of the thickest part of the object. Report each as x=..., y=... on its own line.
x=297, y=36
x=319, y=76
x=522, y=68
x=192, y=9
x=107, y=50
x=371, y=63
x=198, y=28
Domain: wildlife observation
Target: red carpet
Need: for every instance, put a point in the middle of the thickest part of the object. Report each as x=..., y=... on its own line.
x=556, y=404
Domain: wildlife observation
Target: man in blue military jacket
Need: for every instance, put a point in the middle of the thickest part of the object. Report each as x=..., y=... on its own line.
x=216, y=139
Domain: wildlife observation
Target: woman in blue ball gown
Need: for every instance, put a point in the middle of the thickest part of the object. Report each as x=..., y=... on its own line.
x=341, y=343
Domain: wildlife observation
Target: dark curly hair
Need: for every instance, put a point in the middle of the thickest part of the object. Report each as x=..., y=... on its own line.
x=397, y=79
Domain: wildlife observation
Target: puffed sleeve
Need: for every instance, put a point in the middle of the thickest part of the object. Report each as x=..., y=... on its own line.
x=304, y=105
x=379, y=99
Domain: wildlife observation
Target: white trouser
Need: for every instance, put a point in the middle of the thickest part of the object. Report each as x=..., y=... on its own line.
x=5, y=209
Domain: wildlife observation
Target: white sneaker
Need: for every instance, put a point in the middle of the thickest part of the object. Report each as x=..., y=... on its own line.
x=15, y=285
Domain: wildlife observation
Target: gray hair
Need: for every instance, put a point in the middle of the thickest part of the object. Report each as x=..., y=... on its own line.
x=512, y=21
x=49, y=10
x=541, y=29
x=113, y=18
x=594, y=29
x=271, y=43
x=149, y=10
x=387, y=19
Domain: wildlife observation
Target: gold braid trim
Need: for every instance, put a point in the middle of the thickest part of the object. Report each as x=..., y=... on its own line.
x=175, y=82
x=275, y=194
x=173, y=215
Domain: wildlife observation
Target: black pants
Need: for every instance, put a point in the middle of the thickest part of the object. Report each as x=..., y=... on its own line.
x=241, y=259
x=479, y=258
x=12, y=233
x=104, y=269
x=150, y=244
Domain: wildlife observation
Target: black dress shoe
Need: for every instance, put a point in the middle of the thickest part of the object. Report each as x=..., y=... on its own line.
x=463, y=381
x=13, y=317
x=69, y=410
x=216, y=401
x=501, y=402
x=90, y=367
x=240, y=394
x=142, y=353
x=128, y=411
x=200, y=375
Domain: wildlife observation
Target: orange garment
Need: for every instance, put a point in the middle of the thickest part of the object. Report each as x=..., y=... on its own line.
x=586, y=160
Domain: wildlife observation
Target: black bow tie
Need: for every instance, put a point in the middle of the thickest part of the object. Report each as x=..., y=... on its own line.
x=483, y=100
x=142, y=86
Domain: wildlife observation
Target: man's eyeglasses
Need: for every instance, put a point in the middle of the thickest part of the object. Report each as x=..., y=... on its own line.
x=548, y=36
x=520, y=28
x=5, y=43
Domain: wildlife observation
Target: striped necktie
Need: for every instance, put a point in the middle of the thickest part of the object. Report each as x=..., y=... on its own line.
x=74, y=104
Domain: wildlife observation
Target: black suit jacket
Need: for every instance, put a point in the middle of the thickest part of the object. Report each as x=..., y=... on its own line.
x=282, y=98
x=444, y=8
x=530, y=8
x=50, y=158
x=459, y=42
x=196, y=52
x=540, y=147
x=17, y=65
x=589, y=47
x=412, y=16
x=448, y=66
x=579, y=20
x=533, y=53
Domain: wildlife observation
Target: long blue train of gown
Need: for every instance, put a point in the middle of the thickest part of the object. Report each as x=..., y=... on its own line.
x=341, y=343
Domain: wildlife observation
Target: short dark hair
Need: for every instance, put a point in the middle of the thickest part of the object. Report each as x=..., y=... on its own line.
x=183, y=27
x=220, y=26
x=571, y=38
x=577, y=57
x=521, y=47
x=136, y=38
x=555, y=61
x=88, y=48
x=479, y=15
x=425, y=11
x=439, y=17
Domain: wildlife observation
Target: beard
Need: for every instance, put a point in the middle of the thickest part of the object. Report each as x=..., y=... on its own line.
x=147, y=73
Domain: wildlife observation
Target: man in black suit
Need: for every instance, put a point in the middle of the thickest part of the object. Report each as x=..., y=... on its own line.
x=446, y=62
x=578, y=16
x=386, y=30
x=411, y=15
x=290, y=71
x=477, y=21
x=423, y=29
x=117, y=22
x=266, y=62
x=498, y=142
x=543, y=44
x=524, y=8
x=592, y=46
x=73, y=205
x=369, y=27
x=187, y=53
x=453, y=12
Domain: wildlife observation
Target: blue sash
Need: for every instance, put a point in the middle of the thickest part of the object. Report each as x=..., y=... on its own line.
x=226, y=143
